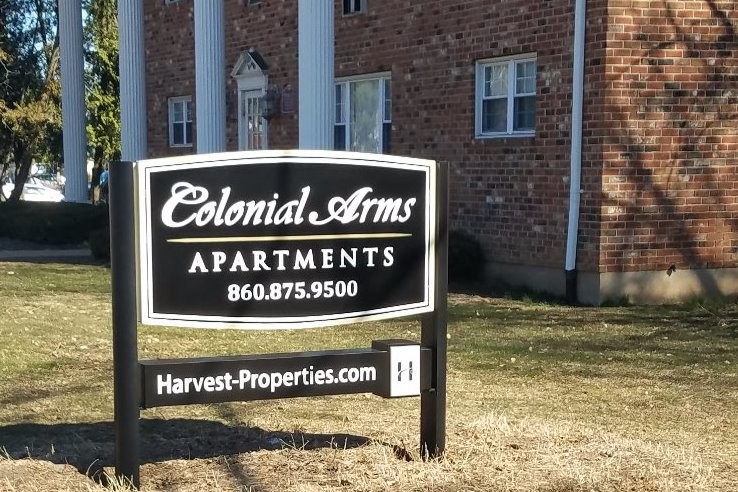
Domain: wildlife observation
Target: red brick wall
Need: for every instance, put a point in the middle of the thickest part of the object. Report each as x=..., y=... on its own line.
x=660, y=139
x=271, y=29
x=170, y=68
x=670, y=146
x=593, y=131
x=512, y=193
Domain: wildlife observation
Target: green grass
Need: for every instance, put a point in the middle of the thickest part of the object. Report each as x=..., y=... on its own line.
x=558, y=398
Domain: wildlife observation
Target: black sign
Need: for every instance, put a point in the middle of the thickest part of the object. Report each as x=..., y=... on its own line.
x=278, y=240
x=296, y=239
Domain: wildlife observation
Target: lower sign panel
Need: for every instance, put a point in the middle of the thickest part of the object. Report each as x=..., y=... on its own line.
x=261, y=377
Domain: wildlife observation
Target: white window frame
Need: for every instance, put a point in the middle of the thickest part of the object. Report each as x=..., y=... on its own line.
x=512, y=63
x=172, y=101
x=383, y=119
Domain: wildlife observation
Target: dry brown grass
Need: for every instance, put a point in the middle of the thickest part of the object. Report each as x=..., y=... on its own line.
x=488, y=454
x=541, y=398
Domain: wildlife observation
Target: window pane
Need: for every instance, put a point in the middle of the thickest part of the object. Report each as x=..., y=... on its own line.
x=188, y=132
x=188, y=105
x=495, y=80
x=351, y=6
x=177, y=114
x=339, y=137
x=386, y=138
x=525, y=113
x=525, y=78
x=527, y=68
x=387, y=101
x=494, y=115
x=177, y=134
x=365, y=118
x=339, y=104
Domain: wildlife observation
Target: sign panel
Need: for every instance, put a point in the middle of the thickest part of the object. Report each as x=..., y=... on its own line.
x=270, y=376
x=289, y=239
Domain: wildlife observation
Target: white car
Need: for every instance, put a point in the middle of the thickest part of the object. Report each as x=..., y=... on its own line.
x=33, y=192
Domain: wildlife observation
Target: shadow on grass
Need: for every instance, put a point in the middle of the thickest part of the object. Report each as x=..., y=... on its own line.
x=89, y=446
x=36, y=259
x=642, y=322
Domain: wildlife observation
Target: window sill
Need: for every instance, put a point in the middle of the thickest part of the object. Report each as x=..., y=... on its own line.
x=180, y=146
x=497, y=136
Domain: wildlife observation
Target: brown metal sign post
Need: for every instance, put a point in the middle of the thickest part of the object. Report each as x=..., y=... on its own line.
x=125, y=350
x=434, y=332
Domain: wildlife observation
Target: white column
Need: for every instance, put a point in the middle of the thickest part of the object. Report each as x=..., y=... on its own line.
x=132, y=80
x=210, y=87
x=74, y=137
x=315, y=56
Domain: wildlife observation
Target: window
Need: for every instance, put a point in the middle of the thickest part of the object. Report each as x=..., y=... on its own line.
x=363, y=114
x=506, y=97
x=351, y=7
x=180, y=121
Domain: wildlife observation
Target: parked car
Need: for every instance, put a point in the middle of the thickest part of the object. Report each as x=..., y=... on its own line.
x=34, y=192
x=49, y=180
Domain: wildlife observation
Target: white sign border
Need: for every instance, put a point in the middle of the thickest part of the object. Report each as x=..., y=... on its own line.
x=145, y=168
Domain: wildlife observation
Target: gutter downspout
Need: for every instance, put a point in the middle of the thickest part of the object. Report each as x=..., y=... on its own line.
x=575, y=179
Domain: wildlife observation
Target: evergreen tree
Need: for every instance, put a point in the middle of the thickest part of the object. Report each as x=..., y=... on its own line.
x=103, y=103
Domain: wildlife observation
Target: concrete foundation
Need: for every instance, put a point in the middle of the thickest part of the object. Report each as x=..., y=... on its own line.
x=645, y=287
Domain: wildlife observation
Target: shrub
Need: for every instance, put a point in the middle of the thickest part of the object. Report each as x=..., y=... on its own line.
x=100, y=244
x=51, y=223
x=465, y=257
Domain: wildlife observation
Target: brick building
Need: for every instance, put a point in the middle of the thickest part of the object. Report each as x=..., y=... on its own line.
x=488, y=87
